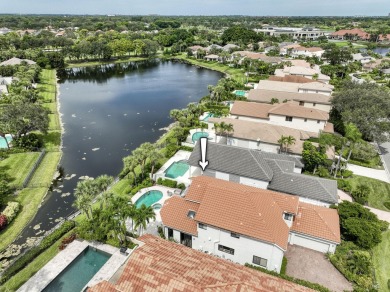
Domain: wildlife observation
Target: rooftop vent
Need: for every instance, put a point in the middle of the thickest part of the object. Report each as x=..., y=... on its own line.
x=191, y=214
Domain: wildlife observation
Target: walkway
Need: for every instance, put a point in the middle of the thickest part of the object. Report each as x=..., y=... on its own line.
x=382, y=215
x=385, y=156
x=379, y=174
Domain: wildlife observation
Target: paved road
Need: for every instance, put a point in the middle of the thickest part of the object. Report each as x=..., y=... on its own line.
x=385, y=156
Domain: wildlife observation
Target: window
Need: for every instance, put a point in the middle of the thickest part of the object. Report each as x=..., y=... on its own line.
x=289, y=119
x=305, y=120
x=314, y=104
x=225, y=249
x=202, y=226
x=260, y=261
x=288, y=216
x=318, y=121
x=170, y=233
x=301, y=103
x=235, y=235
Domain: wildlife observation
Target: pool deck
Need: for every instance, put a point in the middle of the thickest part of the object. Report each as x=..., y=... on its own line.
x=165, y=196
x=56, y=265
x=180, y=155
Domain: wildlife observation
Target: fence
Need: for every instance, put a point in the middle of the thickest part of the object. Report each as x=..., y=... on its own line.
x=32, y=171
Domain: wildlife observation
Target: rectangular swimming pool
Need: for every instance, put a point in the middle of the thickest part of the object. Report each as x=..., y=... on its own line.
x=79, y=272
x=176, y=169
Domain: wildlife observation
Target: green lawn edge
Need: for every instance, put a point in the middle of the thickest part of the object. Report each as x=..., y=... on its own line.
x=381, y=261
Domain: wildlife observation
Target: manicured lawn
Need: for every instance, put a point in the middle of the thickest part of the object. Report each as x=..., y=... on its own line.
x=51, y=106
x=48, y=85
x=29, y=200
x=380, y=191
x=122, y=187
x=235, y=73
x=43, y=175
x=381, y=256
x=54, y=122
x=18, y=166
x=20, y=278
x=52, y=141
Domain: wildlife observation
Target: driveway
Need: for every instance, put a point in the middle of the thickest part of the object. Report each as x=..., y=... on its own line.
x=313, y=266
x=384, y=149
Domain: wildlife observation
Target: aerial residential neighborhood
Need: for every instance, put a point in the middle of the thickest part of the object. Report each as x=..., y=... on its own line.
x=184, y=147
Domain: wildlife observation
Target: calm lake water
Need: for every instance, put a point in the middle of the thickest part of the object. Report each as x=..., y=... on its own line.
x=107, y=112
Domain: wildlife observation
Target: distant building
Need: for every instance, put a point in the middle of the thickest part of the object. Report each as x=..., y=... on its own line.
x=308, y=33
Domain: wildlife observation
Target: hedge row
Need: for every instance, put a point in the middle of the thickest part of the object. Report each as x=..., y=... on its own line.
x=30, y=255
x=308, y=284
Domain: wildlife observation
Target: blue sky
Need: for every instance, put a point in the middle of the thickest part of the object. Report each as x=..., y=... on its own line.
x=201, y=7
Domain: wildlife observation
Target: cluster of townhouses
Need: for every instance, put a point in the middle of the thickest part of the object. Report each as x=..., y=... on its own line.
x=252, y=200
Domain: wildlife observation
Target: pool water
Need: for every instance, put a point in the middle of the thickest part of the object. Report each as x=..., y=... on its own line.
x=176, y=169
x=196, y=136
x=3, y=144
x=149, y=198
x=240, y=92
x=206, y=118
x=79, y=272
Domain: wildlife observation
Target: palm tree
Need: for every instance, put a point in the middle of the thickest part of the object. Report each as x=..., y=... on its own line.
x=228, y=129
x=131, y=163
x=290, y=140
x=353, y=135
x=143, y=216
x=154, y=156
x=281, y=142
x=217, y=128
x=85, y=193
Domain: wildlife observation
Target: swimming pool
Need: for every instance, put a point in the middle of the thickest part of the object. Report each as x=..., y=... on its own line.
x=197, y=135
x=149, y=198
x=3, y=144
x=240, y=92
x=157, y=206
x=176, y=169
x=206, y=118
x=79, y=272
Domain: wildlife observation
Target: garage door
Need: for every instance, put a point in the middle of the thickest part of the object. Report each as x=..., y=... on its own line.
x=311, y=243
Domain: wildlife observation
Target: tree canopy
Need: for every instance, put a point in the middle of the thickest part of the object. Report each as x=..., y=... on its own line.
x=367, y=105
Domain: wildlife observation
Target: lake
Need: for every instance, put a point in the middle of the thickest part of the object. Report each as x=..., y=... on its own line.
x=108, y=111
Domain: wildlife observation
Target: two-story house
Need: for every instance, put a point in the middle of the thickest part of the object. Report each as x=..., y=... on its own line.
x=308, y=87
x=287, y=114
x=278, y=172
x=245, y=224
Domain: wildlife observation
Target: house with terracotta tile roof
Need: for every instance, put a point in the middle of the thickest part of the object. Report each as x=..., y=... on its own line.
x=307, y=52
x=161, y=265
x=350, y=34
x=287, y=114
x=310, y=73
x=265, y=170
x=245, y=224
x=256, y=56
x=261, y=136
x=309, y=100
x=307, y=87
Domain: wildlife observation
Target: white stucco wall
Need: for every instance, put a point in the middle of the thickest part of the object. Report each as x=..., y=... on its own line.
x=322, y=107
x=314, y=202
x=297, y=123
x=266, y=147
x=312, y=243
x=244, y=247
x=254, y=183
x=328, y=93
x=297, y=170
x=242, y=118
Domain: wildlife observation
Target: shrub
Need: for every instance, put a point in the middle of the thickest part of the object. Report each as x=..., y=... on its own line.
x=284, y=266
x=181, y=186
x=31, y=141
x=344, y=185
x=361, y=193
x=387, y=204
x=167, y=182
x=3, y=221
x=144, y=184
x=30, y=255
x=323, y=172
x=364, y=152
x=11, y=210
x=346, y=173
x=161, y=231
